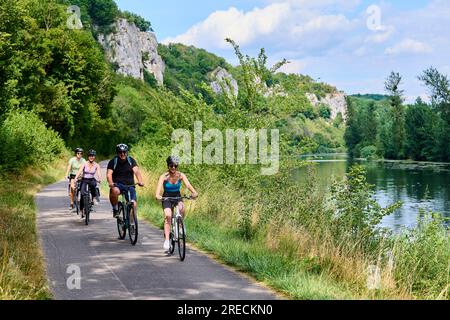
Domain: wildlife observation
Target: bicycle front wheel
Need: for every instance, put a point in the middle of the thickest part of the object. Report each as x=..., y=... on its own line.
x=133, y=225
x=87, y=209
x=181, y=239
x=121, y=229
x=77, y=201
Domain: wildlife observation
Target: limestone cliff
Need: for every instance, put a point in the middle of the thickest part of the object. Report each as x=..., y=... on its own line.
x=336, y=102
x=133, y=51
x=222, y=79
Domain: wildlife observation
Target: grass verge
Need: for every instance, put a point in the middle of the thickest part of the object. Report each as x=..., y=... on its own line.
x=22, y=269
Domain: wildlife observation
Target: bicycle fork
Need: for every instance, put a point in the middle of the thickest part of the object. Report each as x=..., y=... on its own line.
x=175, y=224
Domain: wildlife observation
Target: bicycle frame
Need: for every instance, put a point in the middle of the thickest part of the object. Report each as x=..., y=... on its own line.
x=175, y=215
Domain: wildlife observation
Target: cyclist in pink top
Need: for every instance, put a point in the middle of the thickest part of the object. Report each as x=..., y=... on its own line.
x=91, y=174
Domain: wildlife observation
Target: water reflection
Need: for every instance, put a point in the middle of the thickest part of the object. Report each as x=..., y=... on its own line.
x=417, y=187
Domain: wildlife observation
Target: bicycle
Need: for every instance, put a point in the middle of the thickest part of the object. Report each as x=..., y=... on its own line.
x=87, y=203
x=126, y=211
x=77, y=200
x=177, y=229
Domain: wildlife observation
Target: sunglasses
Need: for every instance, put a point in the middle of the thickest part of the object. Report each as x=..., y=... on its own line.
x=79, y=152
x=122, y=152
x=173, y=166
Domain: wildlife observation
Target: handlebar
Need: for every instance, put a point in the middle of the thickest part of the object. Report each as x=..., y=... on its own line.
x=176, y=198
x=127, y=186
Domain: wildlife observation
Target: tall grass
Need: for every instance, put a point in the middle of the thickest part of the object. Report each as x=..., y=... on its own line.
x=22, y=270
x=297, y=239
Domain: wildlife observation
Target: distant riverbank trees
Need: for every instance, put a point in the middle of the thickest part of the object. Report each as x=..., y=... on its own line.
x=387, y=128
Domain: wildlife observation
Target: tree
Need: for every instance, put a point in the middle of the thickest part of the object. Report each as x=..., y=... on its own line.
x=420, y=132
x=139, y=21
x=392, y=86
x=352, y=134
x=58, y=73
x=439, y=86
x=370, y=125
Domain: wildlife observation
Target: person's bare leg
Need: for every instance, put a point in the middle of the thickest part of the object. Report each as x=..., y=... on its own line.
x=167, y=218
x=114, y=194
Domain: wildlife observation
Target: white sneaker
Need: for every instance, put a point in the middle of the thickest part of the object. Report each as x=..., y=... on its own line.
x=166, y=245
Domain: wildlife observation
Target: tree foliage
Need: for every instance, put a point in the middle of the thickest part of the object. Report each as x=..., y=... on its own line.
x=58, y=73
x=419, y=131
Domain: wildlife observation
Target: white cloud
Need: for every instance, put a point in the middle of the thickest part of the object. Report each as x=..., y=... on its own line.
x=381, y=36
x=281, y=24
x=294, y=66
x=243, y=27
x=319, y=4
x=409, y=46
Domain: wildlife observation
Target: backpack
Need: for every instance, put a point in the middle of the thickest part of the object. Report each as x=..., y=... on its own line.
x=117, y=158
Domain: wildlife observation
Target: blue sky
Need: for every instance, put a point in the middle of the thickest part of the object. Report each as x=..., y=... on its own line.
x=342, y=42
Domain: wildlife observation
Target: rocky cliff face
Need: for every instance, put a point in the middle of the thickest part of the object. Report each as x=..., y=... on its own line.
x=336, y=102
x=133, y=51
x=222, y=79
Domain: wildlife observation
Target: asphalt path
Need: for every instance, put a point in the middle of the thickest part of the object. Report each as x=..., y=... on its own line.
x=90, y=262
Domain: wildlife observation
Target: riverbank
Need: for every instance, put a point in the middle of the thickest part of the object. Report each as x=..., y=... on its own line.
x=22, y=270
x=411, y=164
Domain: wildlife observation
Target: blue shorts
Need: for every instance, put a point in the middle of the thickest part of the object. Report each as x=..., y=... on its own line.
x=127, y=191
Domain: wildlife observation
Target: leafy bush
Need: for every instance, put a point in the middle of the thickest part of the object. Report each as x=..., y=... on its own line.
x=369, y=152
x=139, y=21
x=324, y=111
x=356, y=212
x=25, y=140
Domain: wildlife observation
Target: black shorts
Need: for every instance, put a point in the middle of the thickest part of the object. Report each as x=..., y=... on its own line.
x=168, y=204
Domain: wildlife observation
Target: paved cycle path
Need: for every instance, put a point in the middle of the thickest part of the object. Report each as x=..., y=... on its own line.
x=110, y=268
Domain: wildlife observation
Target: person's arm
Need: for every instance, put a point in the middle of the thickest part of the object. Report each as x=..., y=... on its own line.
x=138, y=175
x=109, y=177
x=189, y=186
x=159, y=188
x=69, y=166
x=80, y=171
x=99, y=173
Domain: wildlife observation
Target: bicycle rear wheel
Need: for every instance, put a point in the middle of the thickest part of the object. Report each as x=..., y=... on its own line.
x=133, y=225
x=121, y=229
x=181, y=239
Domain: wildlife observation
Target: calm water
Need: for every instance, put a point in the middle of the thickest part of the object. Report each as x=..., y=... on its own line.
x=427, y=188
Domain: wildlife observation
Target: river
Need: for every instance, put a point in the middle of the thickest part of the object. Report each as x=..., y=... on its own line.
x=417, y=186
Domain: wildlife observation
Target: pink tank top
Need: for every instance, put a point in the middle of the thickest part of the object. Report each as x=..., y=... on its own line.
x=89, y=174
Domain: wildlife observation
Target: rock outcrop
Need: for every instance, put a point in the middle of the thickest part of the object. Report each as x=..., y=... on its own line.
x=222, y=79
x=133, y=51
x=336, y=102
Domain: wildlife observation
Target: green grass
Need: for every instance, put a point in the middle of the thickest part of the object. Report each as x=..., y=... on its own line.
x=22, y=269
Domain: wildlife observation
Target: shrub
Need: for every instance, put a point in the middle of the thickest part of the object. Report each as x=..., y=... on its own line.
x=369, y=152
x=25, y=140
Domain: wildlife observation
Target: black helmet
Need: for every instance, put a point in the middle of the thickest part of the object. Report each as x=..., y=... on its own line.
x=92, y=153
x=121, y=148
x=173, y=160
x=78, y=150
